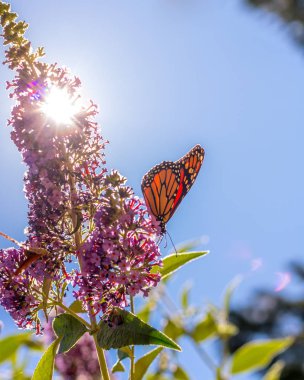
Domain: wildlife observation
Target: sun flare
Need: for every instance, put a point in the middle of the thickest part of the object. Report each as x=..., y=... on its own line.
x=59, y=106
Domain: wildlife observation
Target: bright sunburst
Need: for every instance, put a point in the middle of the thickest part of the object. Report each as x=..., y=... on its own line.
x=59, y=106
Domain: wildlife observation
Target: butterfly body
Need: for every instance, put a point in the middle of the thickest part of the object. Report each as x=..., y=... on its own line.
x=167, y=183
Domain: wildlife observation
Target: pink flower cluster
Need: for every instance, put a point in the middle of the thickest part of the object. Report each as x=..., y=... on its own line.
x=16, y=292
x=117, y=258
x=74, y=209
x=55, y=154
x=63, y=178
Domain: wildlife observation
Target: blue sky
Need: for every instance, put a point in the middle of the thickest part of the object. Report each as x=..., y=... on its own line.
x=168, y=75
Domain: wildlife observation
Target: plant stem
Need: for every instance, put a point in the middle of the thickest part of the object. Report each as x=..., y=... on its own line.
x=101, y=358
x=206, y=359
x=78, y=241
x=75, y=315
x=132, y=367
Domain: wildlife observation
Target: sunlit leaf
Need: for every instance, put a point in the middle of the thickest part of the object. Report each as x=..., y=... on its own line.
x=118, y=367
x=130, y=330
x=173, y=262
x=45, y=366
x=173, y=329
x=274, y=372
x=219, y=375
x=35, y=345
x=124, y=352
x=145, y=312
x=226, y=330
x=232, y=286
x=180, y=374
x=142, y=364
x=205, y=329
x=185, y=297
x=255, y=355
x=69, y=329
x=10, y=344
x=157, y=376
x=77, y=307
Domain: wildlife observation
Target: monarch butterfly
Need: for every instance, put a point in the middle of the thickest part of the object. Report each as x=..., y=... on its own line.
x=166, y=184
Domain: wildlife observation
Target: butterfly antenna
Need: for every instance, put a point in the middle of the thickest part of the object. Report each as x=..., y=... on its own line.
x=166, y=242
x=172, y=243
x=159, y=240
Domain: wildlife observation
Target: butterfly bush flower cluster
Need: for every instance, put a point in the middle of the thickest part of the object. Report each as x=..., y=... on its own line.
x=62, y=158
x=118, y=256
x=16, y=294
x=76, y=214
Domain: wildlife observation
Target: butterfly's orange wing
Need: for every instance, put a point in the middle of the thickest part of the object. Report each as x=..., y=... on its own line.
x=166, y=184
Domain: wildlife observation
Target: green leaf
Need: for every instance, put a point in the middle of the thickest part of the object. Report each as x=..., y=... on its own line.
x=45, y=366
x=118, y=367
x=34, y=345
x=205, y=329
x=180, y=374
x=130, y=330
x=274, y=373
x=173, y=329
x=219, y=375
x=77, y=307
x=10, y=344
x=185, y=297
x=229, y=292
x=69, y=329
x=256, y=355
x=145, y=312
x=142, y=364
x=226, y=330
x=172, y=263
x=124, y=352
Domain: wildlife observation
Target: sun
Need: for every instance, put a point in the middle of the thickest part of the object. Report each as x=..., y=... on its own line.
x=59, y=106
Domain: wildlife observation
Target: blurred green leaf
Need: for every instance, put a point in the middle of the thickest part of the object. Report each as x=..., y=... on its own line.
x=69, y=329
x=173, y=262
x=255, y=355
x=142, y=364
x=185, y=297
x=274, y=372
x=219, y=375
x=10, y=344
x=77, y=307
x=205, y=329
x=157, y=376
x=128, y=330
x=180, y=374
x=226, y=330
x=145, y=312
x=118, y=367
x=45, y=366
x=173, y=329
x=36, y=345
x=232, y=286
